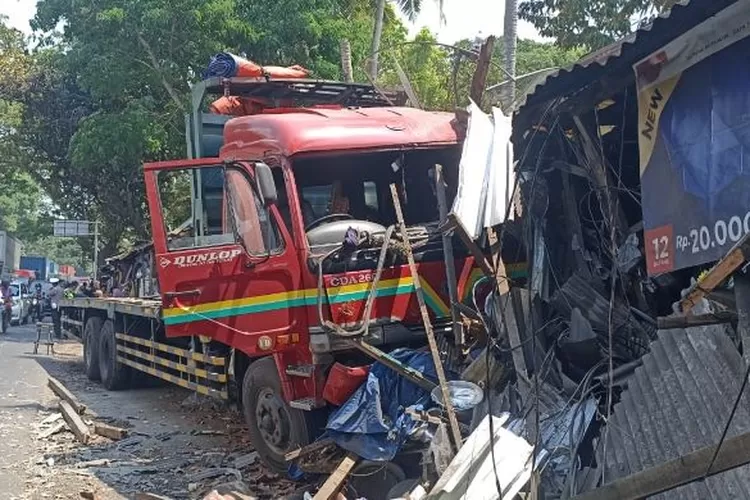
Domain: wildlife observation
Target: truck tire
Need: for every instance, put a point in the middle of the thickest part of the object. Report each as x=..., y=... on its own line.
x=90, y=338
x=275, y=428
x=115, y=375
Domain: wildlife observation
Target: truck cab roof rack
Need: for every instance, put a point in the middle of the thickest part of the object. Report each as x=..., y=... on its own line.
x=301, y=92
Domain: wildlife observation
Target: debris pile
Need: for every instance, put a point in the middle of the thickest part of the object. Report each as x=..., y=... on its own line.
x=615, y=364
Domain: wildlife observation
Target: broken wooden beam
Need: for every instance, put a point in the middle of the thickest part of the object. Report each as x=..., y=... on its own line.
x=734, y=452
x=453, y=224
x=63, y=393
x=479, y=79
x=427, y=323
x=336, y=480
x=110, y=431
x=75, y=422
x=728, y=264
x=668, y=322
x=306, y=450
x=386, y=359
x=52, y=430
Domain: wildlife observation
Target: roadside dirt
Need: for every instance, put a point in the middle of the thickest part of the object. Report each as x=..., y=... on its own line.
x=178, y=446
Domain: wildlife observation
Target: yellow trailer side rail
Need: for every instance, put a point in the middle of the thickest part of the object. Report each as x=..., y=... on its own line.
x=201, y=380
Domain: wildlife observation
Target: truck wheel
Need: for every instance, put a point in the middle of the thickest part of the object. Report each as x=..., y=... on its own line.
x=91, y=333
x=275, y=428
x=115, y=375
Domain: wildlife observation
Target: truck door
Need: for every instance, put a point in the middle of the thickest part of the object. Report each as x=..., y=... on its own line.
x=225, y=261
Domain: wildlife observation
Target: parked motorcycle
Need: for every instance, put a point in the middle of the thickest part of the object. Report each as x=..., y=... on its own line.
x=36, y=308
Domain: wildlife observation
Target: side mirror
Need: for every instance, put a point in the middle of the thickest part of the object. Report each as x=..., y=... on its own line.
x=266, y=185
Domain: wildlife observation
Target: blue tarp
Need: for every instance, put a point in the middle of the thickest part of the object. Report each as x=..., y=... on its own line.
x=373, y=422
x=222, y=64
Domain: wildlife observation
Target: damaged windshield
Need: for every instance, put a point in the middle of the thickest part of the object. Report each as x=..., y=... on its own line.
x=357, y=185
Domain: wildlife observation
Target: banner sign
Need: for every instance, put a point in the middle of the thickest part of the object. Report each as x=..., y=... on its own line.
x=694, y=140
x=67, y=228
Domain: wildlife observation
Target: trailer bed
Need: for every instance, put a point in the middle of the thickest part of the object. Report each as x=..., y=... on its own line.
x=147, y=308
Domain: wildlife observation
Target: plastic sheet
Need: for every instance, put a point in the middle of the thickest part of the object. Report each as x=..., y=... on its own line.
x=373, y=423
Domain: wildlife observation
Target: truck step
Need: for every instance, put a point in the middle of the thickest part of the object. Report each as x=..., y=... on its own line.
x=307, y=404
x=305, y=371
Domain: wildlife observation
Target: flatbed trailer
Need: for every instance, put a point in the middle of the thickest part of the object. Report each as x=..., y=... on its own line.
x=138, y=345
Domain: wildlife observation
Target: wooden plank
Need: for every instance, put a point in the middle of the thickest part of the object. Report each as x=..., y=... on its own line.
x=110, y=431
x=732, y=261
x=52, y=430
x=74, y=421
x=306, y=450
x=336, y=480
x=453, y=224
x=63, y=393
x=386, y=359
x=427, y=322
x=479, y=79
x=734, y=452
x=448, y=258
x=668, y=322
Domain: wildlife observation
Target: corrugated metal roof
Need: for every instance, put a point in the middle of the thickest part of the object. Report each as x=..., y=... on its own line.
x=677, y=402
x=621, y=55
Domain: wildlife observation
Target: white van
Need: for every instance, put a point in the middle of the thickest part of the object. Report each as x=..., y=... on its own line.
x=20, y=309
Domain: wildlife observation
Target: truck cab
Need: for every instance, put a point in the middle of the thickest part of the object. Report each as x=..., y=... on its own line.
x=268, y=241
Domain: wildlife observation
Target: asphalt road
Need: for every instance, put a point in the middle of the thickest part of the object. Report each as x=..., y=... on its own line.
x=23, y=394
x=173, y=435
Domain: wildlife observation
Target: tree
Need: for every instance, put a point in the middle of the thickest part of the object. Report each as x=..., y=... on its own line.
x=574, y=23
x=410, y=8
x=109, y=93
x=510, y=42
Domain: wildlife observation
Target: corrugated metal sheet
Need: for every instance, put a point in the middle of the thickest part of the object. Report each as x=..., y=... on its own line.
x=678, y=401
x=621, y=55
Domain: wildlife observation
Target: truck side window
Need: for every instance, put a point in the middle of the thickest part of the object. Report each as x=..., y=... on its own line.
x=253, y=221
x=192, y=201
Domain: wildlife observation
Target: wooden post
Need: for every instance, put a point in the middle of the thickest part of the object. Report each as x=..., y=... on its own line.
x=479, y=80
x=346, y=61
x=447, y=403
x=450, y=263
x=735, y=452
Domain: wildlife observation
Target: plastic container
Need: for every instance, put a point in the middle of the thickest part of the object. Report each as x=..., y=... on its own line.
x=464, y=395
x=342, y=381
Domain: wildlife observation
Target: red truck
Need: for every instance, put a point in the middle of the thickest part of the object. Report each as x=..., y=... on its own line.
x=266, y=245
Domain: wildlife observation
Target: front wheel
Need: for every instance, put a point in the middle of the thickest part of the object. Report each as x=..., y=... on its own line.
x=275, y=428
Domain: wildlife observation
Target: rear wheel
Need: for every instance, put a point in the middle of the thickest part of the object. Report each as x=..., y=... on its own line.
x=275, y=428
x=91, y=347
x=115, y=375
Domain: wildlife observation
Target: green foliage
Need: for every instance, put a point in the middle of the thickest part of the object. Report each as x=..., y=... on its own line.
x=81, y=113
x=574, y=23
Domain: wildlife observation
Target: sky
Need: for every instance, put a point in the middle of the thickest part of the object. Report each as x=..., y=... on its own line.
x=465, y=18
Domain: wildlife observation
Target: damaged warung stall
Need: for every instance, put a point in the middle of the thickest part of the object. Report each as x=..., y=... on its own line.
x=275, y=245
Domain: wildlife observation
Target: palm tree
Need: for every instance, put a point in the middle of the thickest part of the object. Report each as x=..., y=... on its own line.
x=510, y=37
x=410, y=8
